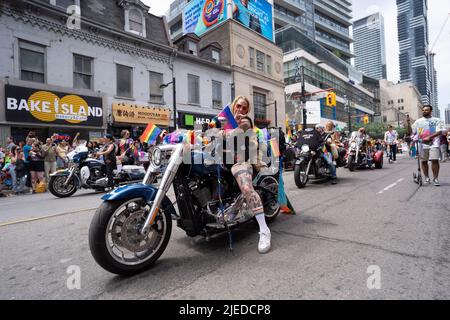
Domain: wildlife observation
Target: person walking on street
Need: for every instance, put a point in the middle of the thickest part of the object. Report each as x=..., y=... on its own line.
x=428, y=130
x=391, y=139
x=50, y=158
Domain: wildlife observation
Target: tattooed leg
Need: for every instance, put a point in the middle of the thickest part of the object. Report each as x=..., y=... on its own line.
x=243, y=175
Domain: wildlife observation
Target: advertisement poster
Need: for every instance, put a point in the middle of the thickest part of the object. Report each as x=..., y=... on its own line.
x=200, y=16
x=255, y=15
x=39, y=106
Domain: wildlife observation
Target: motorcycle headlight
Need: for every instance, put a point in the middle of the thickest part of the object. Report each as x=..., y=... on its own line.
x=305, y=148
x=156, y=157
x=353, y=145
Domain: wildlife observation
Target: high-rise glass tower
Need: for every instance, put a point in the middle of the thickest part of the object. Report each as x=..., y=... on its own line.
x=326, y=21
x=413, y=37
x=370, y=46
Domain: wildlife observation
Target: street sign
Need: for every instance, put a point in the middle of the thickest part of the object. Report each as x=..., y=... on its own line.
x=313, y=112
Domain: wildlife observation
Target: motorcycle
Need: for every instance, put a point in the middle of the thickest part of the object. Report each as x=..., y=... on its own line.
x=309, y=161
x=358, y=158
x=88, y=173
x=132, y=227
x=309, y=164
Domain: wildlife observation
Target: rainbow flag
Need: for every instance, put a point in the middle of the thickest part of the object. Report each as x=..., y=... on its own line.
x=289, y=136
x=274, y=147
x=324, y=150
x=150, y=134
x=285, y=205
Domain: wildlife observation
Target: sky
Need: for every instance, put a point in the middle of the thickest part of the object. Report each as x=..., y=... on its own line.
x=438, y=10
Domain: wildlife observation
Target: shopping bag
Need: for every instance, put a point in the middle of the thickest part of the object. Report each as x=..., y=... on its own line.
x=40, y=187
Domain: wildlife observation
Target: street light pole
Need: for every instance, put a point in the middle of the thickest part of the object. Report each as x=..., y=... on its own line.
x=174, y=93
x=303, y=98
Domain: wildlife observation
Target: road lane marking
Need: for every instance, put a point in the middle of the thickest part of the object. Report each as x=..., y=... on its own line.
x=391, y=186
x=8, y=223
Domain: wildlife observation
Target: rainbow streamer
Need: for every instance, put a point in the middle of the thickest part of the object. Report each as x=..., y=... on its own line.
x=289, y=136
x=285, y=204
x=150, y=134
x=274, y=147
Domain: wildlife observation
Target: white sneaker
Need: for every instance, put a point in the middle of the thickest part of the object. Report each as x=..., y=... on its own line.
x=427, y=180
x=436, y=182
x=264, y=242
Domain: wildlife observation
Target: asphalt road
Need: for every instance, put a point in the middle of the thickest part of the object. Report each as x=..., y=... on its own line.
x=371, y=218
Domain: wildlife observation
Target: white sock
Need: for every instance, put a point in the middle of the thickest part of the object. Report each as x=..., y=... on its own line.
x=261, y=218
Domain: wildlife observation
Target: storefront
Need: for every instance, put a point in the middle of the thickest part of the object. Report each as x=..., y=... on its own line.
x=187, y=120
x=135, y=118
x=48, y=112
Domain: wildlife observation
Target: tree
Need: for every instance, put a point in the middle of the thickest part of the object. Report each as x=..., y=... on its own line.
x=376, y=130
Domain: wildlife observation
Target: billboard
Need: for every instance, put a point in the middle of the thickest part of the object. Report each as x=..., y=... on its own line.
x=255, y=15
x=200, y=16
x=25, y=104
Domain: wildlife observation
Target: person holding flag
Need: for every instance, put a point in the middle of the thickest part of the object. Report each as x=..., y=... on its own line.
x=242, y=168
x=427, y=130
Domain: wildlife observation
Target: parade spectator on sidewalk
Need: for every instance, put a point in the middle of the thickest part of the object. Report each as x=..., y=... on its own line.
x=61, y=152
x=36, y=157
x=10, y=143
x=26, y=150
x=50, y=158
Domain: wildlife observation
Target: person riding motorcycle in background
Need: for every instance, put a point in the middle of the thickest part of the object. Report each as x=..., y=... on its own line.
x=361, y=134
x=337, y=147
x=109, y=155
x=327, y=156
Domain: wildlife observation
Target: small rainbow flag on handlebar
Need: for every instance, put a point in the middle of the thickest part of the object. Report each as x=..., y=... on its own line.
x=150, y=134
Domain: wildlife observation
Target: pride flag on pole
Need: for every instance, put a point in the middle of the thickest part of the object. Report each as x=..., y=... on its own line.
x=150, y=134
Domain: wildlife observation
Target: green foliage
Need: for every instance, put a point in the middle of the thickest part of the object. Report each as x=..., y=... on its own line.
x=376, y=130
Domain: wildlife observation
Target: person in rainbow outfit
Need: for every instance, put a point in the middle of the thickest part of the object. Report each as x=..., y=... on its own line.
x=427, y=130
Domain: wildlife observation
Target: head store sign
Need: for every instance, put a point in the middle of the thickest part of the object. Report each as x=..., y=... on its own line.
x=39, y=106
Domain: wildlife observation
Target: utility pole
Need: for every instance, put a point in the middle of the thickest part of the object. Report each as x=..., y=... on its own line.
x=303, y=99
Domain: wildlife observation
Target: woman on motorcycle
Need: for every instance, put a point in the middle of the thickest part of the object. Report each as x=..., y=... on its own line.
x=109, y=155
x=242, y=171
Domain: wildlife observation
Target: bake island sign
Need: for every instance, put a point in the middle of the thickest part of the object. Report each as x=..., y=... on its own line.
x=39, y=106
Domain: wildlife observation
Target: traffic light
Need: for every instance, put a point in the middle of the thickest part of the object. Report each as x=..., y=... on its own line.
x=366, y=119
x=331, y=99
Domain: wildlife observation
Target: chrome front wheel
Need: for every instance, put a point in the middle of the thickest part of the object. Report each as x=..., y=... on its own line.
x=115, y=239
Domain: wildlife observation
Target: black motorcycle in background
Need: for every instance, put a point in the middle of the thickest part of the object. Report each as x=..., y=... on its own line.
x=309, y=161
x=89, y=173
